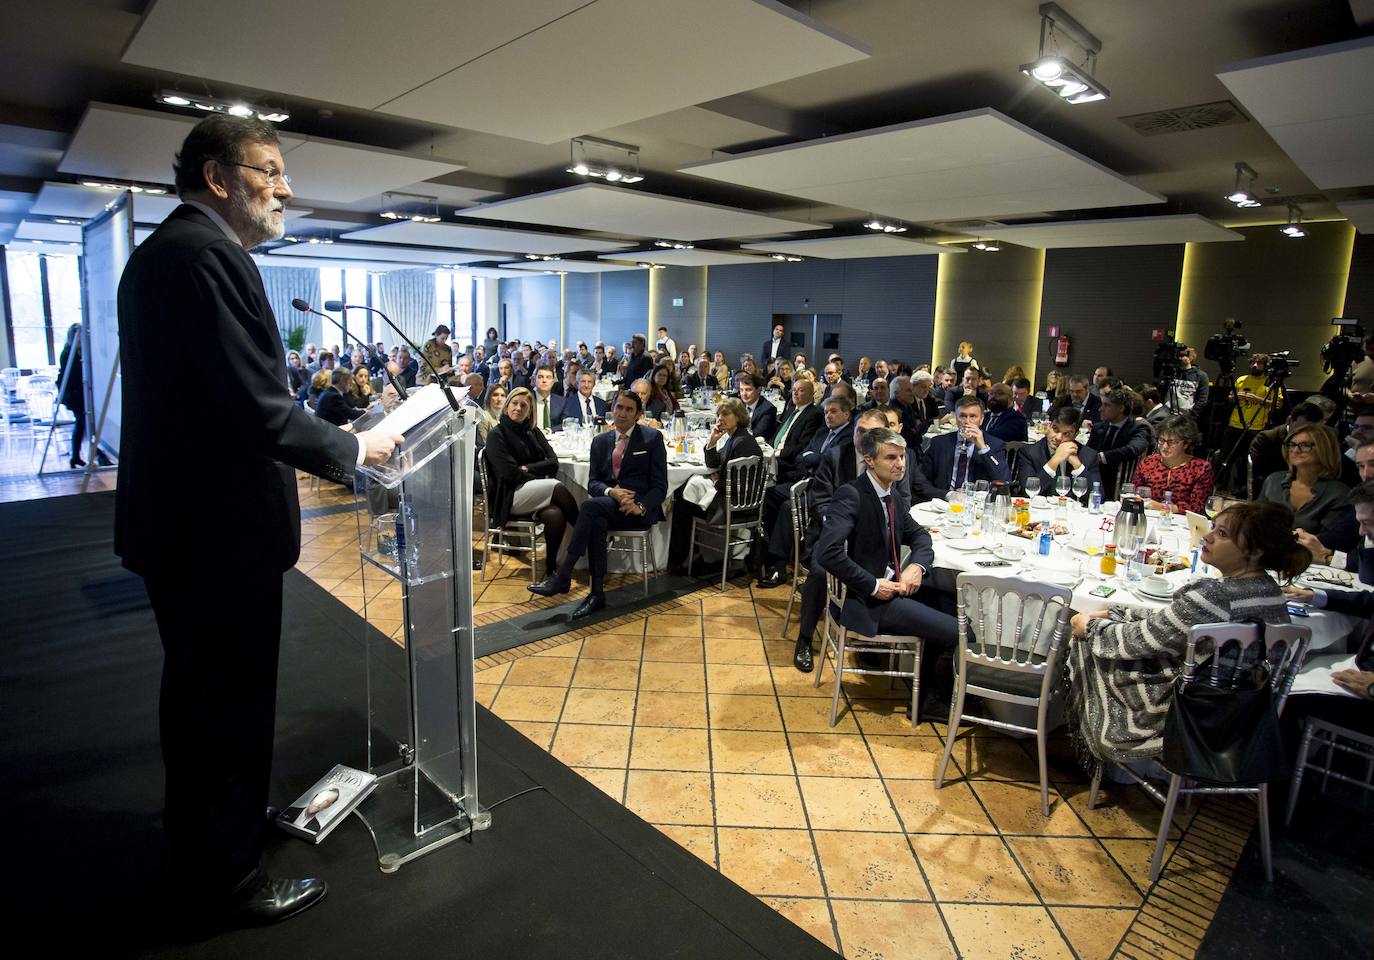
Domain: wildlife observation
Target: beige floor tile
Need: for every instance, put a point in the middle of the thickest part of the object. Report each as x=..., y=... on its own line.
x=718, y=606
x=869, y=866
x=846, y=803
x=479, y=608
x=562, y=651
x=1015, y=808
x=772, y=625
x=610, y=782
x=485, y=693
x=812, y=715
x=1093, y=934
x=770, y=862
x=493, y=674
x=1123, y=810
x=750, y=751
x=612, y=647
x=607, y=674
x=1076, y=873
x=995, y=758
x=779, y=654
x=749, y=652
x=505, y=591
x=700, y=841
x=883, y=930
x=971, y=869
x=791, y=682
x=665, y=649
x=910, y=758
x=672, y=677
x=1133, y=856
x=659, y=708
x=592, y=745
x=731, y=678
x=812, y=915
x=598, y=706
x=756, y=800
x=634, y=628
x=540, y=733
x=541, y=671
x=528, y=703
x=732, y=628
x=672, y=625
x=987, y=932
x=732, y=711
x=831, y=755
x=881, y=717
x=952, y=808
x=668, y=748
x=669, y=797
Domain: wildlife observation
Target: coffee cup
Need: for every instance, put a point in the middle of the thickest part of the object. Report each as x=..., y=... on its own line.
x=1156, y=583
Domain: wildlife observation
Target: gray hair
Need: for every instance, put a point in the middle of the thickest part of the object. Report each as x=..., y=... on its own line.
x=898, y=383
x=1079, y=380
x=1323, y=403
x=921, y=375
x=879, y=437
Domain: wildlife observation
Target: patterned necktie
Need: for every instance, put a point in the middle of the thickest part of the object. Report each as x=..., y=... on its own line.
x=961, y=468
x=891, y=531
x=590, y=415
x=618, y=455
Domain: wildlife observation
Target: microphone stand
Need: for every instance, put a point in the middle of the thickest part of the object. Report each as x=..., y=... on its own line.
x=304, y=307
x=443, y=383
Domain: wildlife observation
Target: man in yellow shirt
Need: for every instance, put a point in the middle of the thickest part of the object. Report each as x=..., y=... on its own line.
x=1255, y=397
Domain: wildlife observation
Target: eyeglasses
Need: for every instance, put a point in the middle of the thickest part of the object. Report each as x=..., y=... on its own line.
x=1169, y=441
x=1300, y=445
x=274, y=177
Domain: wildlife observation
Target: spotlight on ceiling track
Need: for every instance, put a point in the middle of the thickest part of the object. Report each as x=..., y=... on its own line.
x=1243, y=193
x=409, y=206
x=151, y=189
x=674, y=245
x=643, y=265
x=325, y=240
x=208, y=104
x=1293, y=229
x=987, y=246
x=1072, y=82
x=885, y=226
x=604, y=160
x=784, y=258
x=536, y=256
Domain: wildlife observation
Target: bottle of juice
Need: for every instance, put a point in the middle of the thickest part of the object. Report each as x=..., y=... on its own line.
x=1109, y=560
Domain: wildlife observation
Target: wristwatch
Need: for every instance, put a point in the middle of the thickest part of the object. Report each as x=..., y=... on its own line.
x=1369, y=692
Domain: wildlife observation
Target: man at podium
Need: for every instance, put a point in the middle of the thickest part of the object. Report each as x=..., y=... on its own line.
x=628, y=481
x=192, y=290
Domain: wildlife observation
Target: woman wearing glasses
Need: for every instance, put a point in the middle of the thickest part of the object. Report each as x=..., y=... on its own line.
x=1175, y=470
x=1309, y=486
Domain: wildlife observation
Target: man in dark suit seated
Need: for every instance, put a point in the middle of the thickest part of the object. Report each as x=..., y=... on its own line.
x=409, y=368
x=333, y=407
x=584, y=406
x=1088, y=405
x=879, y=394
x=628, y=482
x=763, y=416
x=1345, y=535
x=699, y=377
x=800, y=421
x=1119, y=438
x=837, y=433
x=967, y=455
x=1003, y=422
x=968, y=387
x=548, y=406
x=1058, y=454
x=1023, y=401
x=903, y=402
x=867, y=524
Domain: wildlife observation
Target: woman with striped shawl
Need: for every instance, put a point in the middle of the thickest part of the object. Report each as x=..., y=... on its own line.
x=1123, y=663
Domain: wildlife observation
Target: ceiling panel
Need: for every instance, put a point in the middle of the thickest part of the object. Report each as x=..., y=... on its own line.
x=42, y=230
x=71, y=200
x=313, y=263
x=1360, y=213
x=686, y=258
x=373, y=251
x=481, y=238
x=599, y=206
x=1123, y=232
x=493, y=273
x=852, y=248
x=616, y=61
x=571, y=266
x=974, y=164
x=1318, y=105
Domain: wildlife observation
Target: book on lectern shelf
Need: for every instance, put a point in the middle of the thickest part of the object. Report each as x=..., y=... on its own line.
x=325, y=805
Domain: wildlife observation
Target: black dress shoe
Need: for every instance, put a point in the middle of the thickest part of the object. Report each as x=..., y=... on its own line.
x=773, y=578
x=276, y=900
x=801, y=659
x=76, y=463
x=676, y=570
x=589, y=605
x=550, y=586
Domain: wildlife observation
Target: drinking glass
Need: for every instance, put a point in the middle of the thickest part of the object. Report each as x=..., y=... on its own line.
x=1061, y=485
x=1032, y=486
x=1215, y=504
x=1143, y=493
x=1127, y=490
x=1080, y=486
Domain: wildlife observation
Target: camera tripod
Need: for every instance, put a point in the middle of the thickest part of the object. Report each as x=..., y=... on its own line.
x=1274, y=409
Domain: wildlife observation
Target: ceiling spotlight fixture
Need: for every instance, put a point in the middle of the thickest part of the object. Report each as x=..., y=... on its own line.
x=409, y=206
x=68, y=221
x=151, y=189
x=1072, y=82
x=1243, y=194
x=206, y=104
x=987, y=246
x=604, y=160
x=1293, y=230
x=674, y=245
x=536, y=256
x=651, y=266
x=326, y=239
x=559, y=273
x=884, y=226
x=784, y=258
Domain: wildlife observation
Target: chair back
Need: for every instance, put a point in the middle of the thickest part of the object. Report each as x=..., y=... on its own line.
x=42, y=404
x=1238, y=650
x=9, y=378
x=797, y=494
x=39, y=384
x=485, y=485
x=1012, y=624
x=1125, y=473
x=744, y=484
x=1011, y=446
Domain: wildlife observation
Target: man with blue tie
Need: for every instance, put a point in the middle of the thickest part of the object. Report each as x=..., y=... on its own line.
x=967, y=455
x=584, y=406
x=628, y=482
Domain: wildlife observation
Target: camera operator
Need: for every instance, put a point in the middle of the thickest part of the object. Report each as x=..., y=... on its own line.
x=1189, y=390
x=1362, y=377
x=1255, y=396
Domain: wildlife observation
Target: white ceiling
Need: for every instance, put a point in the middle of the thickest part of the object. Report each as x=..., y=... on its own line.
x=1124, y=232
x=312, y=263
x=1360, y=213
x=373, y=251
x=571, y=266
x=685, y=258
x=624, y=210
x=853, y=248
x=966, y=165
x=124, y=143
x=493, y=273
x=42, y=230
x=481, y=238
x=1318, y=105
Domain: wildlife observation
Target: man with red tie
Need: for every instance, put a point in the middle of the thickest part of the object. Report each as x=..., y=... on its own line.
x=1023, y=401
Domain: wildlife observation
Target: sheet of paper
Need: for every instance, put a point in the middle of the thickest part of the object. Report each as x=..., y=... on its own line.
x=419, y=406
x=1315, y=676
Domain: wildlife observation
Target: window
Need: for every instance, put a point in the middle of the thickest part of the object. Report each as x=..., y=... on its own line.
x=453, y=306
x=332, y=288
x=40, y=328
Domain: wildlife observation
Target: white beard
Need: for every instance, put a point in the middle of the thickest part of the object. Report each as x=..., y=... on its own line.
x=254, y=223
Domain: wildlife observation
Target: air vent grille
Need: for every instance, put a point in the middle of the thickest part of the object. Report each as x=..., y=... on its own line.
x=1200, y=116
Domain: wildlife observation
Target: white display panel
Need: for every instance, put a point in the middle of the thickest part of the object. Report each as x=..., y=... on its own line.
x=108, y=240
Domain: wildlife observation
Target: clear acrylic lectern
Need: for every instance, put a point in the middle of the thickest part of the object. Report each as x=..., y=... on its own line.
x=415, y=536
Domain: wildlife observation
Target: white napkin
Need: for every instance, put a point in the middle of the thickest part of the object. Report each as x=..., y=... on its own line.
x=700, y=491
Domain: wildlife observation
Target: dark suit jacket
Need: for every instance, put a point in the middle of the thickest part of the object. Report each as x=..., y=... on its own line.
x=505, y=456
x=913, y=426
x=739, y=444
x=953, y=395
x=572, y=407
x=643, y=469
x=638, y=368
x=1007, y=425
x=555, y=411
x=810, y=458
x=767, y=354
x=840, y=466
x=1032, y=406
x=1133, y=440
x=333, y=407
x=854, y=546
x=189, y=291
x=1031, y=460
x=764, y=422
x=799, y=435
x=1092, y=407
x=694, y=381
x=938, y=461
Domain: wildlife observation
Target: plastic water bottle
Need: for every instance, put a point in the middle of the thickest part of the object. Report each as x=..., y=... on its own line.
x=1135, y=569
x=1095, y=501
x=1168, y=501
x=1046, y=539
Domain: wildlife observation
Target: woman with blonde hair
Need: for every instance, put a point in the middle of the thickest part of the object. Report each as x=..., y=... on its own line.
x=1309, y=487
x=521, y=471
x=963, y=360
x=491, y=413
x=782, y=379
x=1056, y=385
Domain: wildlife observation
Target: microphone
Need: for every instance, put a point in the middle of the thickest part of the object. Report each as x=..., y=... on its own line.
x=304, y=307
x=339, y=305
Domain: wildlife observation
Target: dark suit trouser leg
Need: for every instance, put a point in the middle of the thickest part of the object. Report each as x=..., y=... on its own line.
x=906, y=616
x=777, y=513
x=812, y=602
x=217, y=713
x=684, y=512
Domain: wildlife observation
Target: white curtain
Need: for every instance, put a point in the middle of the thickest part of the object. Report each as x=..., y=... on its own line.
x=407, y=297
x=286, y=283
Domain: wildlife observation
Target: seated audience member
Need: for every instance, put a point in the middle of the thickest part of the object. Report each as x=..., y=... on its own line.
x=1014, y=372
x=947, y=383
x=763, y=416
x=878, y=394
x=747, y=364
x=334, y=404
x=408, y=368
x=297, y=377
x=1122, y=672
x=800, y=421
x=361, y=393
x=1174, y=469
x=881, y=369
x=505, y=376
x=865, y=372
x=1003, y=422
x=781, y=380
x=836, y=432
x=567, y=386
x=547, y=413
x=965, y=456
x=628, y=482
x=903, y=401
x=867, y=524
x=732, y=425
x=1058, y=454
x=1076, y=395
x=1155, y=412
x=833, y=373
x=699, y=377
x=653, y=412
x=319, y=383
x=663, y=389
x=1266, y=449
x=721, y=371
x=1361, y=432
x=970, y=386
x=1099, y=375
x=844, y=391
x=1023, y=401
x=924, y=401
x=584, y=405
x=1348, y=535
x=472, y=396
x=521, y=471
x=1309, y=487
x=491, y=413
x=1056, y=386
x=1119, y=439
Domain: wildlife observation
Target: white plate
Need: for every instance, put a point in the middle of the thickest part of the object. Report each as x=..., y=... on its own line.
x=1060, y=578
x=966, y=544
x=1152, y=595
